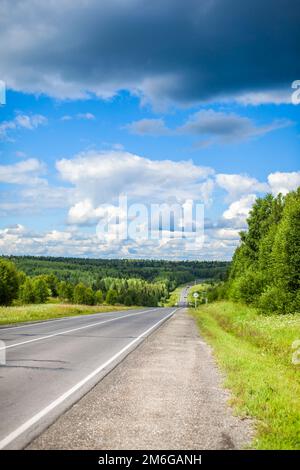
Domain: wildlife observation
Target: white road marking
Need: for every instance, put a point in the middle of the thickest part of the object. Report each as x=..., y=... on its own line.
x=25, y=426
x=74, y=329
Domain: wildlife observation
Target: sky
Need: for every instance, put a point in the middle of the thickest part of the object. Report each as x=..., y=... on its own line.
x=161, y=102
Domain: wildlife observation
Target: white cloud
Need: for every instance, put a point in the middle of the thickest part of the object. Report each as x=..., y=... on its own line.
x=237, y=185
x=100, y=177
x=18, y=240
x=24, y=121
x=227, y=234
x=30, y=191
x=282, y=96
x=281, y=182
x=87, y=116
x=238, y=210
x=25, y=172
x=84, y=116
x=95, y=179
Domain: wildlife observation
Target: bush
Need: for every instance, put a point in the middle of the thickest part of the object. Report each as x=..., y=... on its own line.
x=247, y=288
x=83, y=295
x=9, y=282
x=128, y=300
x=275, y=300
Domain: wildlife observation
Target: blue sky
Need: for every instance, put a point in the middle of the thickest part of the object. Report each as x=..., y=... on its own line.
x=85, y=121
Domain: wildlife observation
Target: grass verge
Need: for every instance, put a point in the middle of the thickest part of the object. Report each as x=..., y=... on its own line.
x=255, y=353
x=174, y=298
x=26, y=313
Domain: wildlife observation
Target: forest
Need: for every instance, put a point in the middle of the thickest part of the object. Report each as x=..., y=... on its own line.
x=91, y=270
x=26, y=280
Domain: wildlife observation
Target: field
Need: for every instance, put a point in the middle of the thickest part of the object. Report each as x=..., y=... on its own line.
x=10, y=315
x=255, y=352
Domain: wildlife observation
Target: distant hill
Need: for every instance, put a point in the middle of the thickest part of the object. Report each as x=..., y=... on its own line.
x=91, y=270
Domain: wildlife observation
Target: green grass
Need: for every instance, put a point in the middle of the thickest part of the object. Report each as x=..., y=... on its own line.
x=174, y=297
x=255, y=353
x=9, y=315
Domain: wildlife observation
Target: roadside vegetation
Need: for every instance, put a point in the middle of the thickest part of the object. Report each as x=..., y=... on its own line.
x=18, y=289
x=201, y=290
x=174, y=297
x=33, y=312
x=255, y=352
x=252, y=321
x=265, y=270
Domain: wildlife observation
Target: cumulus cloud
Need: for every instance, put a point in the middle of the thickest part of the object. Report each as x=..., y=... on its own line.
x=19, y=240
x=30, y=191
x=100, y=177
x=26, y=172
x=281, y=182
x=21, y=121
x=238, y=211
x=96, y=179
x=169, y=52
x=237, y=185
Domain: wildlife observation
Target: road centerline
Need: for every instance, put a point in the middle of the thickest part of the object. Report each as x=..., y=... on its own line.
x=74, y=329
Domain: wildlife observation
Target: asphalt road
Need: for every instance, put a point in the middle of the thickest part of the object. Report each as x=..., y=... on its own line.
x=183, y=300
x=50, y=365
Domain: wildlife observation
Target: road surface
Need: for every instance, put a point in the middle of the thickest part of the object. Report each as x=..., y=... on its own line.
x=183, y=300
x=167, y=394
x=50, y=365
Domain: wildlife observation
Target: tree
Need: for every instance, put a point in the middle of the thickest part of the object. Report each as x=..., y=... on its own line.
x=26, y=293
x=286, y=248
x=128, y=300
x=112, y=297
x=65, y=291
x=265, y=267
x=89, y=296
x=9, y=282
x=79, y=294
x=52, y=283
x=40, y=289
x=98, y=297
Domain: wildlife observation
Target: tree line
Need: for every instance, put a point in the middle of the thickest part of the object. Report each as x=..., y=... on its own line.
x=265, y=269
x=17, y=287
x=91, y=271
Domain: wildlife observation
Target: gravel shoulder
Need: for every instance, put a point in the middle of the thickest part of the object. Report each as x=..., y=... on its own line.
x=167, y=394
